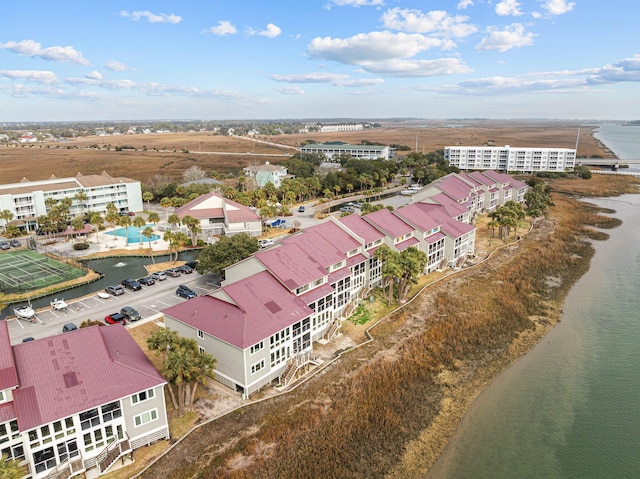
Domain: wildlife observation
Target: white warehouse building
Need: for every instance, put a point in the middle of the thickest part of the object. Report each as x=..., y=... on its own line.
x=508, y=158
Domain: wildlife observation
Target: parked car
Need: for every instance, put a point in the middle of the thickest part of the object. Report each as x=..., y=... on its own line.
x=147, y=281
x=173, y=272
x=185, y=292
x=263, y=243
x=115, y=290
x=28, y=339
x=130, y=313
x=358, y=204
x=4, y=245
x=192, y=264
x=115, y=318
x=131, y=284
x=347, y=209
x=69, y=327
x=159, y=275
x=184, y=269
x=300, y=209
x=15, y=243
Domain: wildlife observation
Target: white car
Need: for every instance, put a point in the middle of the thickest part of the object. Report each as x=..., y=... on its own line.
x=263, y=243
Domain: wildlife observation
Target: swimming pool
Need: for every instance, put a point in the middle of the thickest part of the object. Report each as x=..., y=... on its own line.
x=134, y=234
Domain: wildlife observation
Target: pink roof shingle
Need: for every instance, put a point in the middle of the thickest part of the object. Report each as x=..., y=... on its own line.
x=335, y=235
x=69, y=373
x=316, y=247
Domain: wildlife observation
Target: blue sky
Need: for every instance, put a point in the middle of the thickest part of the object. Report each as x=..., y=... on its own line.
x=249, y=59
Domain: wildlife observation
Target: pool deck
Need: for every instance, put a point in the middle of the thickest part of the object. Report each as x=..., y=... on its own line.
x=108, y=242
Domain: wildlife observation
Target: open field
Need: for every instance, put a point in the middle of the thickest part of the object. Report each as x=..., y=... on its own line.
x=40, y=161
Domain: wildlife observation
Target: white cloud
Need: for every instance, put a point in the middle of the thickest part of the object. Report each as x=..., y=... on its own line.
x=373, y=46
x=513, y=36
x=463, y=4
x=290, y=90
x=38, y=76
x=499, y=85
x=417, y=68
x=94, y=75
x=558, y=7
x=31, y=48
x=354, y=3
x=223, y=28
x=625, y=70
x=436, y=22
x=116, y=66
x=336, y=79
x=271, y=31
x=151, y=17
x=508, y=7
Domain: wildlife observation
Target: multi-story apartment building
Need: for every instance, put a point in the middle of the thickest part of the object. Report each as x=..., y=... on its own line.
x=77, y=402
x=262, y=323
x=28, y=199
x=362, y=152
x=508, y=158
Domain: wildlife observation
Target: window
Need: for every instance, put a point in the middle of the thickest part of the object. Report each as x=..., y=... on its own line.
x=256, y=347
x=200, y=334
x=111, y=411
x=142, y=396
x=89, y=419
x=145, y=417
x=257, y=366
x=201, y=350
x=44, y=459
x=3, y=397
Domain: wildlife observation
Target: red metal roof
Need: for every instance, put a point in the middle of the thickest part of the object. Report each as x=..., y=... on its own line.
x=407, y=244
x=387, y=222
x=262, y=307
x=317, y=247
x=339, y=274
x=291, y=265
x=335, y=235
x=356, y=259
x=8, y=373
x=361, y=228
x=7, y=412
x=65, y=374
x=317, y=293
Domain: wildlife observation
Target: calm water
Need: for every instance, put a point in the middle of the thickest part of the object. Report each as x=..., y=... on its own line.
x=134, y=234
x=570, y=408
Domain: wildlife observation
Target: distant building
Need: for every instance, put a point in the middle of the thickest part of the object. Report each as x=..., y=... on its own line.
x=28, y=138
x=362, y=152
x=507, y=158
x=341, y=127
x=27, y=199
x=260, y=175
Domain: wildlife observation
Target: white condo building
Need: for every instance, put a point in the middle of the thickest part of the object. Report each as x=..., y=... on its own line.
x=361, y=152
x=508, y=158
x=28, y=199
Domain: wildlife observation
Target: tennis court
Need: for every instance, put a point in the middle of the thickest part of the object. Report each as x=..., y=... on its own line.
x=23, y=271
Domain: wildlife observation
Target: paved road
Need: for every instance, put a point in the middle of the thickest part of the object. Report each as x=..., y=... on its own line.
x=148, y=301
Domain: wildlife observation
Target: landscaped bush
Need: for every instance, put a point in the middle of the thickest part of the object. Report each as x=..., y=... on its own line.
x=80, y=246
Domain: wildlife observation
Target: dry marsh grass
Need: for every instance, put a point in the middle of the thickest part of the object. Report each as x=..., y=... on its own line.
x=363, y=414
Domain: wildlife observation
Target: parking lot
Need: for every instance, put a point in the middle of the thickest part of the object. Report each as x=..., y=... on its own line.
x=148, y=301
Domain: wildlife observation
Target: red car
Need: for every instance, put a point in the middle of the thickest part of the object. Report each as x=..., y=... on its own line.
x=115, y=318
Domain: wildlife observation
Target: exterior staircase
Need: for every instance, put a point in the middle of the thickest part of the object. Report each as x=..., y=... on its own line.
x=332, y=330
x=295, y=363
x=67, y=468
x=114, y=451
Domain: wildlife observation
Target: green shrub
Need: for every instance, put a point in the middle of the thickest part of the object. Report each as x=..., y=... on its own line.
x=80, y=246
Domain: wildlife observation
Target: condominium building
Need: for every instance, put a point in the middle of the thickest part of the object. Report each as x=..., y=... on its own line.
x=260, y=175
x=28, y=199
x=508, y=158
x=361, y=152
x=78, y=402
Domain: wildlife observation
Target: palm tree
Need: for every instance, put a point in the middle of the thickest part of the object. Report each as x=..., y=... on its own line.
x=6, y=216
x=139, y=223
x=125, y=221
x=148, y=233
x=11, y=469
x=148, y=197
x=193, y=225
x=96, y=220
x=153, y=217
x=112, y=215
x=178, y=364
x=81, y=197
x=166, y=204
x=202, y=368
x=173, y=220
